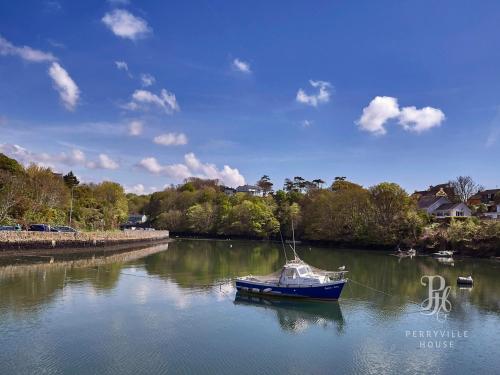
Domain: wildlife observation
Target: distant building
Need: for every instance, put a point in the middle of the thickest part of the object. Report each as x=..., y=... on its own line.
x=453, y=210
x=430, y=203
x=137, y=219
x=440, y=206
x=251, y=190
x=229, y=191
x=493, y=212
x=486, y=197
x=441, y=190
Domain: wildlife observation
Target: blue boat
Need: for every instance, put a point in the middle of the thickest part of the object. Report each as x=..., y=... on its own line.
x=296, y=279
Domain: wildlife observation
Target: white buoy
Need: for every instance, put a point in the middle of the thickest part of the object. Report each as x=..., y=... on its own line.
x=342, y=268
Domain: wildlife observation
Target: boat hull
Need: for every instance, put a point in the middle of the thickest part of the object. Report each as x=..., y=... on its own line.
x=329, y=291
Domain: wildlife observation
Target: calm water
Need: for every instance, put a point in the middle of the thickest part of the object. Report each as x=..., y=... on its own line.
x=172, y=310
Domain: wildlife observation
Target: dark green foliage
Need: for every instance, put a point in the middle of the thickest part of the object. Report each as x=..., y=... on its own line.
x=10, y=165
x=70, y=180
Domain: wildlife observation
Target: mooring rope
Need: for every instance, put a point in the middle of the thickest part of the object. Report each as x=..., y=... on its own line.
x=382, y=292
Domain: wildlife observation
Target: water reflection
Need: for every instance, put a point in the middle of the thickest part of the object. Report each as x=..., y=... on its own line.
x=297, y=316
x=172, y=309
x=199, y=265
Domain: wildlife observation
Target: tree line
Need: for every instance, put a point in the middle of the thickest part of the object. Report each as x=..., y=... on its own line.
x=341, y=212
x=38, y=195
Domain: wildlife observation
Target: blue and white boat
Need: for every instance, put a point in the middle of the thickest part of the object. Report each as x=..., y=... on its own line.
x=296, y=279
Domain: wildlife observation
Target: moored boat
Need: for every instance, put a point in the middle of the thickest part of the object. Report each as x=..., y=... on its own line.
x=462, y=280
x=296, y=279
x=443, y=253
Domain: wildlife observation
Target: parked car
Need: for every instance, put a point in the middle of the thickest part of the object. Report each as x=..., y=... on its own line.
x=40, y=228
x=9, y=227
x=64, y=228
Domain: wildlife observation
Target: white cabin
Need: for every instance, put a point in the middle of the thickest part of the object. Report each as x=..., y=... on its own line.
x=300, y=274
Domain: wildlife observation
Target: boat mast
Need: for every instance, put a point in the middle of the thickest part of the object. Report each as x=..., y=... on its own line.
x=293, y=238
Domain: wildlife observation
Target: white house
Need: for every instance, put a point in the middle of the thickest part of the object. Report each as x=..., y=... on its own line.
x=493, y=212
x=452, y=210
x=137, y=219
x=430, y=203
x=441, y=206
x=251, y=190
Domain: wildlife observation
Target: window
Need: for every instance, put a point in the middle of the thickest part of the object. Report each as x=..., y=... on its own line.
x=303, y=270
x=459, y=213
x=289, y=272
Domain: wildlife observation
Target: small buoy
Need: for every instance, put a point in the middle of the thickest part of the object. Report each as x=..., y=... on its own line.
x=231, y=245
x=342, y=268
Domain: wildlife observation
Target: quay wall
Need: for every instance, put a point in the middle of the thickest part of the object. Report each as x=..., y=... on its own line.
x=24, y=240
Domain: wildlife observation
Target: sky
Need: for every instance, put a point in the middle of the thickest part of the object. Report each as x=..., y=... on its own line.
x=149, y=93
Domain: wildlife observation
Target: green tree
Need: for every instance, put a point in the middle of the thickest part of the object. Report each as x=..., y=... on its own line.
x=10, y=165
x=46, y=197
x=318, y=182
x=201, y=218
x=265, y=184
x=112, y=200
x=71, y=180
x=253, y=218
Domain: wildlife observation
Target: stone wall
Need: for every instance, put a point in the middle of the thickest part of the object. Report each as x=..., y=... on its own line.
x=36, y=240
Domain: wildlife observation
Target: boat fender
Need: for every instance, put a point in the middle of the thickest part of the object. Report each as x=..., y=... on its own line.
x=267, y=290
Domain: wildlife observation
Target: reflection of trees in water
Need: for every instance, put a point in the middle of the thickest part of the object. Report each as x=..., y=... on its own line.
x=23, y=287
x=198, y=263
x=297, y=316
x=201, y=262
x=402, y=278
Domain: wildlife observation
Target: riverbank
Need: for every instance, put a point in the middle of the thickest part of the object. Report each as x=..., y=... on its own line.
x=429, y=243
x=50, y=245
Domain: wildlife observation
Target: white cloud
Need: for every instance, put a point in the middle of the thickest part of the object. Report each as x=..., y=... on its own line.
x=171, y=139
x=75, y=157
x=383, y=108
x=176, y=171
x=241, y=66
x=323, y=95
x=103, y=162
x=26, y=53
x=121, y=65
x=135, y=128
x=26, y=157
x=306, y=124
x=380, y=109
x=419, y=120
x=138, y=189
x=147, y=80
x=142, y=99
x=125, y=25
x=67, y=88
x=193, y=167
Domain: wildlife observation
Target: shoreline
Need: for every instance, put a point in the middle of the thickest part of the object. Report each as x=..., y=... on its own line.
x=19, y=247
x=476, y=253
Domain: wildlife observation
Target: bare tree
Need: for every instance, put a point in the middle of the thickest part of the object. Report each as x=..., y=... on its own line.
x=465, y=187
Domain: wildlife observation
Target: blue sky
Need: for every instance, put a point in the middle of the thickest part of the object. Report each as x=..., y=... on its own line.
x=148, y=93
